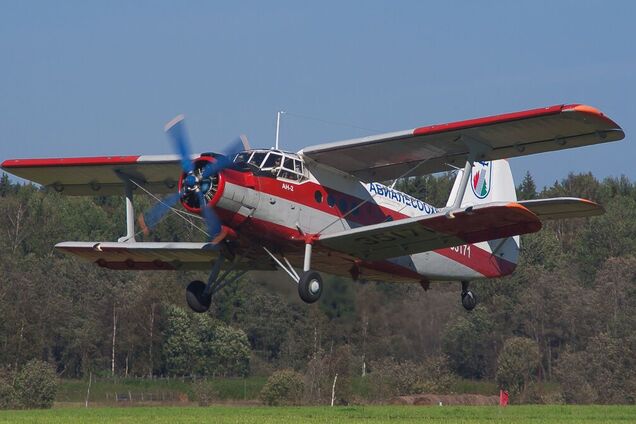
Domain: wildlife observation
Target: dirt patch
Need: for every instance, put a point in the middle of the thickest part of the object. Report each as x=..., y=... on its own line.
x=430, y=399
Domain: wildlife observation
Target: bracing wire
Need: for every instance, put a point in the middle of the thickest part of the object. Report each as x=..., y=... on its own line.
x=183, y=215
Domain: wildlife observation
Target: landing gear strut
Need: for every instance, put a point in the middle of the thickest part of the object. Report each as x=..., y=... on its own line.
x=469, y=300
x=309, y=283
x=199, y=294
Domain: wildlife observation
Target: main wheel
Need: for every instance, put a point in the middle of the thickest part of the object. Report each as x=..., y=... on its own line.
x=197, y=300
x=310, y=286
x=469, y=300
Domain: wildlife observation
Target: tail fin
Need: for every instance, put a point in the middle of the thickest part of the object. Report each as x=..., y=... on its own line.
x=489, y=182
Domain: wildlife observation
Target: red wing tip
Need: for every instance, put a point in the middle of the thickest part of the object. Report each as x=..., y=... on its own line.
x=589, y=110
x=515, y=205
x=582, y=108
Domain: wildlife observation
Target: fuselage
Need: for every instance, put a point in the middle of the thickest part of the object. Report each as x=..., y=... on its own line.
x=282, y=208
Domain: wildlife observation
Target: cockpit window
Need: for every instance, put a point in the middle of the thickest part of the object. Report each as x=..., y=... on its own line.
x=292, y=169
x=257, y=159
x=273, y=161
x=276, y=163
x=242, y=157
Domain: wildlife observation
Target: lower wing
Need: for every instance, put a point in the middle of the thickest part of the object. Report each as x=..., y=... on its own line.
x=140, y=256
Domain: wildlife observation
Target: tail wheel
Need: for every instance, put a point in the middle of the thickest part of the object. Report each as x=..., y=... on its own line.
x=196, y=297
x=469, y=300
x=310, y=286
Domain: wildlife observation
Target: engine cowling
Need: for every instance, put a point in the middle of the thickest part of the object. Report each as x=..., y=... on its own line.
x=191, y=183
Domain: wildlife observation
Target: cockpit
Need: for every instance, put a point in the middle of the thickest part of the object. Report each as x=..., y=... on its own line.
x=273, y=163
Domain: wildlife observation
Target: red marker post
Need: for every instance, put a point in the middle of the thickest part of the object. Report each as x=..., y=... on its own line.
x=503, y=397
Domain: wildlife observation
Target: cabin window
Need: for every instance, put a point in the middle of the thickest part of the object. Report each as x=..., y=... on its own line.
x=342, y=205
x=331, y=200
x=318, y=196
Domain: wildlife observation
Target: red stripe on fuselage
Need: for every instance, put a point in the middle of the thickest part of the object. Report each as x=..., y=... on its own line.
x=480, y=261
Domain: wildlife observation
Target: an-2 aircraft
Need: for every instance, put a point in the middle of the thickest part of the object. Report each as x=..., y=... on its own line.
x=324, y=209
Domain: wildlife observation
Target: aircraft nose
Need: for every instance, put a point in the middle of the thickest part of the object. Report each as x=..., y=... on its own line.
x=190, y=181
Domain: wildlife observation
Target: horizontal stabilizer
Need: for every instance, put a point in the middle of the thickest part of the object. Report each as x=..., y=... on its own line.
x=563, y=207
x=489, y=221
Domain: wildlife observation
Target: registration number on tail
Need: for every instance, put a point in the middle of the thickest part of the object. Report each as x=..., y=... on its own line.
x=463, y=250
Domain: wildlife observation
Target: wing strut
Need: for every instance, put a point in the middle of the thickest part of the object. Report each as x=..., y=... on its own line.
x=130, y=209
x=476, y=150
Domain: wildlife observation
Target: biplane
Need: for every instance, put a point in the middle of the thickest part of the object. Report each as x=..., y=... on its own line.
x=333, y=208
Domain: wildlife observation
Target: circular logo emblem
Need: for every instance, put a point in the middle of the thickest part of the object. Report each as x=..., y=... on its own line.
x=481, y=178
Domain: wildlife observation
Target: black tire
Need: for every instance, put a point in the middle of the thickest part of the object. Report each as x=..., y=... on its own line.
x=310, y=286
x=469, y=300
x=197, y=300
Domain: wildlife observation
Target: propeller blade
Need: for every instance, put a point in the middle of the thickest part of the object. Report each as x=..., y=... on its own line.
x=211, y=219
x=151, y=218
x=176, y=131
x=225, y=157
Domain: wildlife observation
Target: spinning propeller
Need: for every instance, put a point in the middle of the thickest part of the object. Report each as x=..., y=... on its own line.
x=198, y=183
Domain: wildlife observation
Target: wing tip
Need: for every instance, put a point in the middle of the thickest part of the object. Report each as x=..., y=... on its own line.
x=591, y=110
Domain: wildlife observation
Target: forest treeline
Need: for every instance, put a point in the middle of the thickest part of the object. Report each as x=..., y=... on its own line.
x=566, y=316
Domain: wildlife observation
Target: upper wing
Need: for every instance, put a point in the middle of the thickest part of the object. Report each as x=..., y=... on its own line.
x=489, y=221
x=152, y=256
x=438, y=147
x=100, y=176
x=562, y=207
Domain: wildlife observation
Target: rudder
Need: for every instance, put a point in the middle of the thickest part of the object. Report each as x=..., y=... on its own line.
x=489, y=182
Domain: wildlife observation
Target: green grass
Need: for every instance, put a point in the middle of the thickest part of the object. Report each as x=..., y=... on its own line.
x=373, y=414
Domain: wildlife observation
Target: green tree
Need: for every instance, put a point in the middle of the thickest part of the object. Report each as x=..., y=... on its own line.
x=224, y=351
x=36, y=385
x=7, y=392
x=527, y=189
x=181, y=345
x=610, y=235
x=516, y=364
x=468, y=343
x=604, y=372
x=5, y=185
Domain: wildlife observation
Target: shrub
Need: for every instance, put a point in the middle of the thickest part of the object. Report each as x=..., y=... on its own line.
x=7, y=393
x=284, y=387
x=204, y=392
x=393, y=378
x=36, y=385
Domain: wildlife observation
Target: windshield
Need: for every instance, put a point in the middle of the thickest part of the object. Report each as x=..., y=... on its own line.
x=273, y=163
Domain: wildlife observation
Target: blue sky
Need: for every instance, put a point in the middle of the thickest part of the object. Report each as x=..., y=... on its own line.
x=82, y=78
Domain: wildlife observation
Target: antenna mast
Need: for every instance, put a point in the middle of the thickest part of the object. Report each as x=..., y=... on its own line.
x=278, y=114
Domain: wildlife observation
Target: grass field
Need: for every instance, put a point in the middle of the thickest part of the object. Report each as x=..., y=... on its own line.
x=367, y=414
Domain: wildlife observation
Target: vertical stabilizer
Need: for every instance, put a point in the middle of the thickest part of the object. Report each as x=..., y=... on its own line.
x=489, y=182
